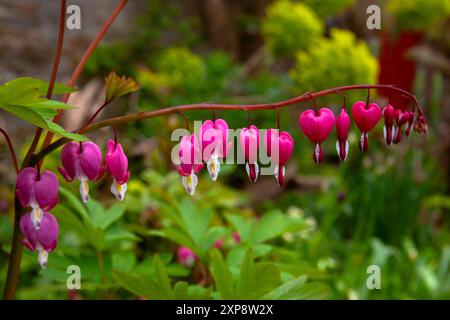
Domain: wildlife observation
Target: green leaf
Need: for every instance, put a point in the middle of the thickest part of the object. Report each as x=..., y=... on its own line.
x=124, y=261
x=116, y=86
x=256, y=280
x=181, y=290
x=161, y=276
x=195, y=220
x=290, y=290
x=101, y=218
x=138, y=284
x=75, y=203
x=222, y=275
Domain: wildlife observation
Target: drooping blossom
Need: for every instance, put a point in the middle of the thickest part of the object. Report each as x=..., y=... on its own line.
x=317, y=126
x=366, y=117
x=410, y=123
x=342, y=128
x=401, y=118
x=38, y=191
x=82, y=161
x=279, y=148
x=186, y=256
x=44, y=240
x=190, y=159
x=236, y=237
x=218, y=243
x=117, y=165
x=388, y=129
x=420, y=125
x=214, y=137
x=249, y=141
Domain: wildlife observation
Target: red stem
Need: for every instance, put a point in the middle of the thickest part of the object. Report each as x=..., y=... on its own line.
x=11, y=150
x=79, y=68
x=59, y=46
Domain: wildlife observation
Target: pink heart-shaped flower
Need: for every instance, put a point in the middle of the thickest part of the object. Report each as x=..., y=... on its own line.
x=366, y=117
x=317, y=126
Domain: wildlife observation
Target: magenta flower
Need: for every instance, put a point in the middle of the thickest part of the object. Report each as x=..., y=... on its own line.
x=279, y=148
x=317, y=126
x=218, y=244
x=389, y=117
x=342, y=128
x=401, y=118
x=186, y=256
x=38, y=192
x=82, y=161
x=236, y=237
x=117, y=165
x=249, y=141
x=43, y=240
x=420, y=125
x=366, y=118
x=410, y=123
x=214, y=137
x=190, y=162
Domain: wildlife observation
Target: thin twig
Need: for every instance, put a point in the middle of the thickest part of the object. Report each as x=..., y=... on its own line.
x=11, y=150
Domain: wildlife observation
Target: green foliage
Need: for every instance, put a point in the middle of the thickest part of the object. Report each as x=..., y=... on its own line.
x=340, y=60
x=326, y=8
x=22, y=97
x=290, y=27
x=420, y=15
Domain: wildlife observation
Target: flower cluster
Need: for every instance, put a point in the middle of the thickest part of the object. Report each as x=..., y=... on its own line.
x=212, y=145
x=39, y=191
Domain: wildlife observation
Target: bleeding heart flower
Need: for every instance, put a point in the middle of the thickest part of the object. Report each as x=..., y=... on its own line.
x=82, y=161
x=389, y=130
x=218, y=244
x=190, y=162
x=236, y=237
x=38, y=192
x=279, y=148
x=186, y=256
x=249, y=141
x=410, y=123
x=43, y=240
x=421, y=126
x=317, y=126
x=342, y=128
x=214, y=137
x=117, y=164
x=401, y=118
x=366, y=118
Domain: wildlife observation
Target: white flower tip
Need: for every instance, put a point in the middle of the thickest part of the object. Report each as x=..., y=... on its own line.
x=213, y=166
x=119, y=190
x=42, y=258
x=190, y=183
x=36, y=217
x=84, y=191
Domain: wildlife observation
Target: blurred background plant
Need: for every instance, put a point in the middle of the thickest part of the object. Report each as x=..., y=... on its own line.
x=315, y=237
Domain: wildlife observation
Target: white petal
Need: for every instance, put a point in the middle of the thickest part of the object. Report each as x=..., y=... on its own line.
x=36, y=216
x=213, y=167
x=119, y=190
x=394, y=133
x=362, y=140
x=385, y=134
x=317, y=152
x=347, y=148
x=42, y=257
x=190, y=183
x=84, y=190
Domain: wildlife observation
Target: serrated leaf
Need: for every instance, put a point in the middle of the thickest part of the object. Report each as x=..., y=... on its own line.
x=290, y=290
x=222, y=275
x=116, y=86
x=161, y=276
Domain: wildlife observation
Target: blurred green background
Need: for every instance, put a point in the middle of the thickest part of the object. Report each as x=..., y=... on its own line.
x=313, y=238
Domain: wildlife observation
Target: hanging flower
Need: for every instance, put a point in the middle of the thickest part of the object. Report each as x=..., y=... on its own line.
x=40, y=192
x=44, y=240
x=82, y=161
x=117, y=165
x=190, y=162
x=317, y=126
x=186, y=256
x=410, y=123
x=366, y=117
x=401, y=118
x=249, y=141
x=421, y=126
x=279, y=148
x=388, y=129
x=214, y=137
x=342, y=128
